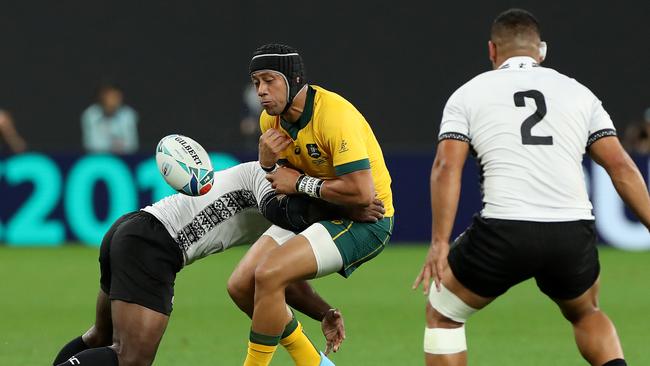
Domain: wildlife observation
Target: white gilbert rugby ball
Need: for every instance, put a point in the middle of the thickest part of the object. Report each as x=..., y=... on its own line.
x=185, y=165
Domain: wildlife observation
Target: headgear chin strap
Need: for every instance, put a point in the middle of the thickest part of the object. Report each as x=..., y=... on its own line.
x=284, y=60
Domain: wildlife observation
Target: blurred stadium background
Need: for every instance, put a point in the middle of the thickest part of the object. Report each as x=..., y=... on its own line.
x=183, y=67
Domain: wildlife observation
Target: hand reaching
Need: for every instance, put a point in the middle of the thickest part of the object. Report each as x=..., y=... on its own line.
x=333, y=330
x=434, y=264
x=372, y=213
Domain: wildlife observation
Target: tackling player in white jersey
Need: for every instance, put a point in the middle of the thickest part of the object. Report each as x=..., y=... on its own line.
x=143, y=250
x=529, y=127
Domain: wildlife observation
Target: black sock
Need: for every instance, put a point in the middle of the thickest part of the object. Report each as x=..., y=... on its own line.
x=72, y=348
x=102, y=356
x=616, y=362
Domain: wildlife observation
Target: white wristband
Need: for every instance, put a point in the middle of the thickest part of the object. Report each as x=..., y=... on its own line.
x=309, y=185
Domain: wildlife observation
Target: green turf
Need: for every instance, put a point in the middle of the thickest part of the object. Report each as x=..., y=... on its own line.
x=47, y=298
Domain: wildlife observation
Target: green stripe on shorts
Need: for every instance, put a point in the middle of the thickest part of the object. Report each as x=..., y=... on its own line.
x=358, y=242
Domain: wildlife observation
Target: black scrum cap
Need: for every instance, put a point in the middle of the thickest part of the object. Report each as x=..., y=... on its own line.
x=282, y=59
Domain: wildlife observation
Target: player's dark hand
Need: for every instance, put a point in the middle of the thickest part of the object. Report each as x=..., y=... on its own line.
x=272, y=144
x=434, y=264
x=283, y=180
x=372, y=213
x=333, y=330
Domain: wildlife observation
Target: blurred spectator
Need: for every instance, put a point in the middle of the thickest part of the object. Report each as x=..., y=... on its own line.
x=109, y=125
x=9, y=135
x=249, y=127
x=637, y=136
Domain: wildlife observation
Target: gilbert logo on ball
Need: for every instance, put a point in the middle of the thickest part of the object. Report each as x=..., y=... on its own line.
x=185, y=165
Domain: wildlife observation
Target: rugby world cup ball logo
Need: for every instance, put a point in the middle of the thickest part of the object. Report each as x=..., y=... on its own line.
x=166, y=169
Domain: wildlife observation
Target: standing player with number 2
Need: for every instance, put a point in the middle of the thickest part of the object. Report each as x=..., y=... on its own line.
x=529, y=127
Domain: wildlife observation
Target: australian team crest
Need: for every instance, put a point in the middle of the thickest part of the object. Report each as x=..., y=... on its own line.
x=312, y=150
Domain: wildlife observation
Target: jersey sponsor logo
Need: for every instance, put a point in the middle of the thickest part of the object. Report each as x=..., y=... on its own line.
x=344, y=146
x=217, y=212
x=312, y=150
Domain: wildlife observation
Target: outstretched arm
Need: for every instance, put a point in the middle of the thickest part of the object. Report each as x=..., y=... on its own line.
x=625, y=175
x=445, y=181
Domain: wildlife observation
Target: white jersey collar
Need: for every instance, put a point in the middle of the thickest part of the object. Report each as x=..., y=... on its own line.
x=519, y=62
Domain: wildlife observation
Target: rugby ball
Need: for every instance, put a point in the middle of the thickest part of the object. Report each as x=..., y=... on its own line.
x=185, y=165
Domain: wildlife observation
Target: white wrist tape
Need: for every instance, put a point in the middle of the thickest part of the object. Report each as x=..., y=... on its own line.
x=309, y=185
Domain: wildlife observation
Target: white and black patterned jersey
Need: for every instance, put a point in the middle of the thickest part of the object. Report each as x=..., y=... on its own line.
x=529, y=127
x=226, y=216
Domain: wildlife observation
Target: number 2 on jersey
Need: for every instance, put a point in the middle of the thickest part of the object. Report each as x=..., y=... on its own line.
x=526, y=136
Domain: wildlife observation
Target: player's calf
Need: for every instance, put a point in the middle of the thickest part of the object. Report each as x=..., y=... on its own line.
x=594, y=332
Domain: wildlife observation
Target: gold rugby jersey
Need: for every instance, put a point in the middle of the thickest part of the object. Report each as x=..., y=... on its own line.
x=331, y=138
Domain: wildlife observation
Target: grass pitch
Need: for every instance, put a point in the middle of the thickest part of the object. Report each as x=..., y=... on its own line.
x=47, y=297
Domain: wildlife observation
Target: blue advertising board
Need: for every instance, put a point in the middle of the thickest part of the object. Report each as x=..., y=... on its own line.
x=51, y=199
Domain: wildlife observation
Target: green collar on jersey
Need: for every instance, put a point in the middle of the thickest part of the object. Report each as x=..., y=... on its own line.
x=305, y=117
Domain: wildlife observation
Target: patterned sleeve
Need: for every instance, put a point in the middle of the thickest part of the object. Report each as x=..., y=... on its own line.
x=600, y=123
x=254, y=179
x=455, y=122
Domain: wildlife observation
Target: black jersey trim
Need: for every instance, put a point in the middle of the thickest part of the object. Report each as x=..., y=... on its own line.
x=600, y=134
x=220, y=210
x=453, y=136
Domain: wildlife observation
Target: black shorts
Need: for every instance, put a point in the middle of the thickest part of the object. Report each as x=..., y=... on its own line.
x=493, y=255
x=138, y=260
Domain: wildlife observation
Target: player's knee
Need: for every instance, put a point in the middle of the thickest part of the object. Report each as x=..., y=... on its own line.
x=446, y=316
x=240, y=289
x=136, y=353
x=577, y=309
x=437, y=320
x=447, y=309
x=575, y=315
x=268, y=276
x=98, y=337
